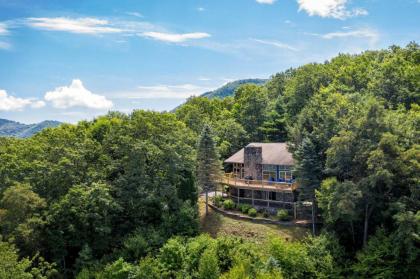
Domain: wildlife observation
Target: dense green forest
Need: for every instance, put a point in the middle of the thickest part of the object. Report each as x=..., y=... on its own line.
x=116, y=197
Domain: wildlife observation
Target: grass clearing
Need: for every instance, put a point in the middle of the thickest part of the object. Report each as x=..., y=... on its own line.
x=217, y=224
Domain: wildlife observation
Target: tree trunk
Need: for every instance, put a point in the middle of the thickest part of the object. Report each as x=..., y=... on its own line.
x=313, y=216
x=352, y=233
x=207, y=202
x=365, y=229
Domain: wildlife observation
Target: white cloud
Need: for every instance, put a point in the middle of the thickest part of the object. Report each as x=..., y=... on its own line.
x=367, y=33
x=180, y=91
x=95, y=26
x=269, y=2
x=76, y=95
x=329, y=8
x=371, y=35
x=3, y=32
x=11, y=103
x=38, y=104
x=276, y=44
x=136, y=14
x=174, y=38
x=3, y=29
x=87, y=25
x=201, y=9
x=5, y=45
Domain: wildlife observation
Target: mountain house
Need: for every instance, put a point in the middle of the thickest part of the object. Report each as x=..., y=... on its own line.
x=262, y=175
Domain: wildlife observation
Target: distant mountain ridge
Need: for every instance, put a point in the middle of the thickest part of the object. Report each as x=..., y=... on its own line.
x=229, y=88
x=9, y=128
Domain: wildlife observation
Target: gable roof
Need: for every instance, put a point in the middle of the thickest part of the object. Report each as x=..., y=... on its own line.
x=275, y=153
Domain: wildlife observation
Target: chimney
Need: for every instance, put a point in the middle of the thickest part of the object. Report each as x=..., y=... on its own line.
x=252, y=161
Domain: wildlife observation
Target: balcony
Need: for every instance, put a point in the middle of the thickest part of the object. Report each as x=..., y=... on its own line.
x=232, y=180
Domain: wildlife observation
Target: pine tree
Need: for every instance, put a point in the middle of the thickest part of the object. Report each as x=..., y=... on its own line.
x=208, y=164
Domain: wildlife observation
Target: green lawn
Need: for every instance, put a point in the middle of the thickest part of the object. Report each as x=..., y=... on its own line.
x=216, y=224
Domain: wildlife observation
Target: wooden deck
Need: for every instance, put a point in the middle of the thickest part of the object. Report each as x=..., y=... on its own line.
x=261, y=185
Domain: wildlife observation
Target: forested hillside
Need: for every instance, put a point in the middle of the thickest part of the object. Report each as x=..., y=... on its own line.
x=10, y=128
x=116, y=197
x=229, y=88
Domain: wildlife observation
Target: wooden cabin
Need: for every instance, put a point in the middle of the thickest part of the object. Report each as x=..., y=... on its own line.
x=262, y=175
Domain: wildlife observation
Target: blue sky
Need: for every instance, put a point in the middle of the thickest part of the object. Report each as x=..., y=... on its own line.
x=73, y=60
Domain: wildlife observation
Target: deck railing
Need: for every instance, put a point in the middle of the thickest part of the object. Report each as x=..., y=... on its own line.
x=232, y=179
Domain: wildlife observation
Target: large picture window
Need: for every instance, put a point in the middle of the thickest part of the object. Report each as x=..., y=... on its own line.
x=279, y=173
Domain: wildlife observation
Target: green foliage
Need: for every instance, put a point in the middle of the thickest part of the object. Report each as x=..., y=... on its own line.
x=10, y=265
x=121, y=185
x=376, y=260
x=208, y=267
x=228, y=204
x=283, y=215
x=117, y=270
x=148, y=268
x=244, y=208
x=208, y=165
x=292, y=259
x=84, y=216
x=218, y=201
x=172, y=256
x=20, y=219
x=252, y=212
x=229, y=88
x=250, y=109
x=266, y=214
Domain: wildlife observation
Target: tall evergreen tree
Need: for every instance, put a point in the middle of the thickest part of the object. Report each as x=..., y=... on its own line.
x=208, y=164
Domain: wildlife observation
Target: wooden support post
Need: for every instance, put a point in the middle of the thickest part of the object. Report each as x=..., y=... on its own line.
x=252, y=197
x=295, y=210
x=237, y=195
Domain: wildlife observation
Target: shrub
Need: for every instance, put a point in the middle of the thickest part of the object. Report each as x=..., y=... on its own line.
x=218, y=201
x=252, y=212
x=228, y=204
x=283, y=215
x=117, y=270
x=245, y=208
x=265, y=213
x=208, y=267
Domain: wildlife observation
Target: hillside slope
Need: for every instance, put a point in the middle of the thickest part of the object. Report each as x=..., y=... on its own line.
x=229, y=88
x=9, y=128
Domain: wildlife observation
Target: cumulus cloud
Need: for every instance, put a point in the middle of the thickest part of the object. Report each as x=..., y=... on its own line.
x=173, y=37
x=38, y=104
x=269, y=2
x=276, y=44
x=3, y=29
x=76, y=95
x=87, y=25
x=180, y=91
x=11, y=103
x=329, y=8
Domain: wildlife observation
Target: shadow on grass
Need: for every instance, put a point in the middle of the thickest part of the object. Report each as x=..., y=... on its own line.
x=210, y=223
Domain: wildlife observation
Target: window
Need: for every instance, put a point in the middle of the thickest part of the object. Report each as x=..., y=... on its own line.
x=269, y=172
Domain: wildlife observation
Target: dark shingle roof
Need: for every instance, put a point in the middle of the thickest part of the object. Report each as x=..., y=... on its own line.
x=272, y=154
